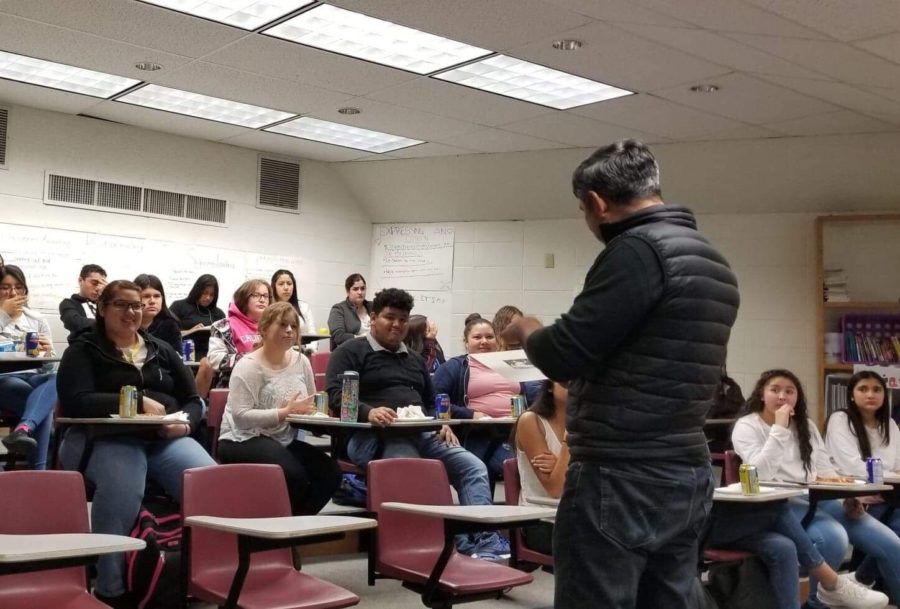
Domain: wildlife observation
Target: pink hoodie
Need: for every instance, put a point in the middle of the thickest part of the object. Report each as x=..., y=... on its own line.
x=244, y=332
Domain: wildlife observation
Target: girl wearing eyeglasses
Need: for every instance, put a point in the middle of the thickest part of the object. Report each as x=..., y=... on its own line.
x=93, y=370
x=30, y=394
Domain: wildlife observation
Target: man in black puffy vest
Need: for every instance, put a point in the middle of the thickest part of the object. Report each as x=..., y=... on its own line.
x=642, y=349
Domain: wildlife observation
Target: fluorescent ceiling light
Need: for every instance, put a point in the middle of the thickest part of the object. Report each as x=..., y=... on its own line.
x=310, y=128
x=203, y=106
x=60, y=76
x=531, y=82
x=245, y=14
x=342, y=31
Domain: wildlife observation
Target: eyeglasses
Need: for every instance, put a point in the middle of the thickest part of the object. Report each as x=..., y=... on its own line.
x=259, y=296
x=21, y=289
x=124, y=305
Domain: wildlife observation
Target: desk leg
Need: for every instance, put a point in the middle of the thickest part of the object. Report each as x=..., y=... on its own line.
x=807, y=518
x=240, y=575
x=431, y=586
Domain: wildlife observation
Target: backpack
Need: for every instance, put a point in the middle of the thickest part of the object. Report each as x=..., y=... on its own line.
x=153, y=574
x=352, y=491
x=726, y=404
x=742, y=586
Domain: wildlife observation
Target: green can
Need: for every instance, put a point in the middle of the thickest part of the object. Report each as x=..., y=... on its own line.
x=749, y=479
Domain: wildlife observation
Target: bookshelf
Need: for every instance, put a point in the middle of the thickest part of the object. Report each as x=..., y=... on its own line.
x=857, y=255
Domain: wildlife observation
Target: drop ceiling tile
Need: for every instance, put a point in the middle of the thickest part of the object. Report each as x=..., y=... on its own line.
x=294, y=147
x=397, y=120
x=844, y=95
x=21, y=94
x=887, y=46
x=843, y=121
x=727, y=52
x=620, y=58
x=749, y=100
x=649, y=113
x=578, y=130
x=730, y=16
x=619, y=11
x=496, y=24
x=428, y=149
x=281, y=59
x=166, y=122
x=133, y=22
x=498, y=140
x=738, y=133
x=251, y=88
x=839, y=18
x=835, y=59
x=455, y=101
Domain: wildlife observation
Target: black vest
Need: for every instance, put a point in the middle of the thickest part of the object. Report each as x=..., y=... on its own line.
x=650, y=398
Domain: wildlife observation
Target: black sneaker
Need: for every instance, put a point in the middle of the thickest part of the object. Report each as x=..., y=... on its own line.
x=20, y=442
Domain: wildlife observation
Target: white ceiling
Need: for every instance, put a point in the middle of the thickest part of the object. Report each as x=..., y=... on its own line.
x=784, y=68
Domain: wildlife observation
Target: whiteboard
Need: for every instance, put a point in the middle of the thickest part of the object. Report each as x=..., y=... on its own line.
x=52, y=258
x=413, y=256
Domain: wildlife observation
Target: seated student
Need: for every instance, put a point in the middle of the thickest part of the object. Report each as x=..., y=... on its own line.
x=284, y=289
x=776, y=436
x=30, y=394
x=422, y=339
x=157, y=320
x=542, y=456
x=391, y=376
x=266, y=386
x=233, y=337
x=504, y=316
x=93, y=370
x=350, y=318
x=199, y=310
x=478, y=391
x=865, y=429
x=79, y=310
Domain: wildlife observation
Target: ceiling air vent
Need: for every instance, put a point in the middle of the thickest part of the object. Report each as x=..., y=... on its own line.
x=118, y=196
x=4, y=122
x=205, y=209
x=64, y=189
x=163, y=203
x=279, y=184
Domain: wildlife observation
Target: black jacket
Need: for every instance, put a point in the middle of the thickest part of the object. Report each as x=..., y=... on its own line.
x=166, y=330
x=343, y=322
x=74, y=319
x=643, y=345
x=189, y=315
x=92, y=372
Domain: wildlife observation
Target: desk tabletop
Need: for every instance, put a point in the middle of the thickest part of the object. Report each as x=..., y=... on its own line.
x=732, y=493
x=30, y=548
x=488, y=514
x=311, y=338
x=488, y=422
x=547, y=501
x=286, y=527
x=335, y=423
x=718, y=422
x=14, y=361
x=116, y=421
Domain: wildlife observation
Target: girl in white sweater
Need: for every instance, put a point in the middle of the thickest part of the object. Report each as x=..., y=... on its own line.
x=777, y=437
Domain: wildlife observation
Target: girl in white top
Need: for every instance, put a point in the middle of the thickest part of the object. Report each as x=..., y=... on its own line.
x=266, y=386
x=865, y=429
x=777, y=437
x=284, y=289
x=542, y=456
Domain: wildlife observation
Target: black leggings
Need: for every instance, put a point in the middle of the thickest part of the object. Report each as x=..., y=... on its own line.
x=312, y=476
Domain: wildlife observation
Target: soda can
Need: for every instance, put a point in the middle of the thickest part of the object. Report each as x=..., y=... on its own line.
x=128, y=402
x=188, y=350
x=32, y=346
x=321, y=402
x=517, y=405
x=442, y=406
x=349, y=396
x=874, y=470
x=749, y=479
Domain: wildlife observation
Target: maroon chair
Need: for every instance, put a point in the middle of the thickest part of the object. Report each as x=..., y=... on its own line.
x=214, y=413
x=407, y=546
x=732, y=467
x=730, y=463
x=519, y=553
x=319, y=361
x=246, y=490
x=44, y=502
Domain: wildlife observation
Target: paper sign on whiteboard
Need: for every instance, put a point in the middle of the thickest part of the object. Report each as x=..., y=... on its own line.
x=413, y=256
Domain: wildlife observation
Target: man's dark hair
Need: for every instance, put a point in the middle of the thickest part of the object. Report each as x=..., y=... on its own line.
x=620, y=174
x=394, y=298
x=87, y=269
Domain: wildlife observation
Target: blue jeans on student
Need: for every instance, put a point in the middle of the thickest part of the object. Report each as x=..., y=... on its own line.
x=876, y=540
x=627, y=532
x=868, y=568
x=32, y=396
x=466, y=472
x=119, y=467
x=491, y=450
x=827, y=535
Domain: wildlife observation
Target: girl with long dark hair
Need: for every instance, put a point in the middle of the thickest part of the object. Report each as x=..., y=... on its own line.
x=199, y=310
x=157, y=319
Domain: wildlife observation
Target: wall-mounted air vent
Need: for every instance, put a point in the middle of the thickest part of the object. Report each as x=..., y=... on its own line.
x=68, y=191
x=279, y=184
x=4, y=123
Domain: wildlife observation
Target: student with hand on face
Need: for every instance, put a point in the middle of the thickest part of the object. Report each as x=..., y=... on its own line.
x=79, y=311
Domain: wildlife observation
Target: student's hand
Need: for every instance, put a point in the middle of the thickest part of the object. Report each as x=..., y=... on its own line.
x=783, y=416
x=153, y=407
x=175, y=430
x=447, y=436
x=298, y=405
x=382, y=416
x=13, y=305
x=44, y=343
x=544, y=462
x=431, y=330
x=854, y=508
x=518, y=331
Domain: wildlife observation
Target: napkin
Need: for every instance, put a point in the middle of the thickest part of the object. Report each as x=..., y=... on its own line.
x=411, y=412
x=177, y=417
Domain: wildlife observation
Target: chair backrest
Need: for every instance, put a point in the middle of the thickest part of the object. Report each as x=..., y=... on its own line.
x=732, y=466
x=319, y=361
x=512, y=485
x=421, y=481
x=241, y=490
x=42, y=502
x=512, y=488
x=217, y=400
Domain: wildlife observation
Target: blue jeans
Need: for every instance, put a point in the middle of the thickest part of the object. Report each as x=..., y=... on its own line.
x=828, y=536
x=876, y=540
x=119, y=467
x=32, y=396
x=868, y=568
x=467, y=473
x=626, y=534
x=491, y=450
